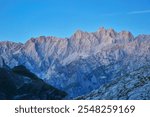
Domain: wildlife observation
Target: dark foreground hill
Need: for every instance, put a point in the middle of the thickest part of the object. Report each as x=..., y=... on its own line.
x=21, y=84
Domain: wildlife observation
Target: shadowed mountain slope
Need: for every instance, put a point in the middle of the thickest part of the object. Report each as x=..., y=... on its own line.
x=21, y=84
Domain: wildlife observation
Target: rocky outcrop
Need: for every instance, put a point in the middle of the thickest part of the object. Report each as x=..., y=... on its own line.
x=83, y=62
x=131, y=86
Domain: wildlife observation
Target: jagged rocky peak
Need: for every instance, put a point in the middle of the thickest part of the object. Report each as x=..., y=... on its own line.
x=41, y=39
x=101, y=31
x=126, y=35
x=31, y=43
x=80, y=34
x=9, y=44
x=77, y=34
x=107, y=36
x=44, y=39
x=142, y=37
x=31, y=40
x=106, y=32
x=38, y=39
x=112, y=33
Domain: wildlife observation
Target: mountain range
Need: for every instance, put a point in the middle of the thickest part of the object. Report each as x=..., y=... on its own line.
x=98, y=61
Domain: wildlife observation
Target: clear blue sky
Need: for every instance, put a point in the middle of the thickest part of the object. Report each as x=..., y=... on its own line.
x=23, y=19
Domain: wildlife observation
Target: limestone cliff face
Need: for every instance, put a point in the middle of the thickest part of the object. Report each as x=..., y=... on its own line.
x=131, y=86
x=84, y=61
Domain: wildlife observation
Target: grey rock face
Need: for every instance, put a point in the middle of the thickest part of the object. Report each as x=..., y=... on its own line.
x=132, y=86
x=84, y=61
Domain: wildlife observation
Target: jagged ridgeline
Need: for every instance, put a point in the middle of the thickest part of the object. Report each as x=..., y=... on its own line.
x=19, y=83
x=83, y=62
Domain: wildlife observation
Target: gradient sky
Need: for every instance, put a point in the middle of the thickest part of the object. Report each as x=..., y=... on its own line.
x=23, y=19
